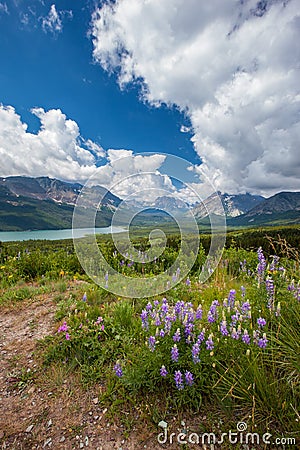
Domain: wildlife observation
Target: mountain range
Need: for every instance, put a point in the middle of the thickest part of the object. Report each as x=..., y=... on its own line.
x=46, y=203
x=243, y=210
x=233, y=205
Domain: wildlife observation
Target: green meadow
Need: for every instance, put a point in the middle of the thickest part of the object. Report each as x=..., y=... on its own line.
x=228, y=346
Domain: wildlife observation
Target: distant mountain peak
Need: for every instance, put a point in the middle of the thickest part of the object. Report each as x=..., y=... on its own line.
x=233, y=204
x=167, y=202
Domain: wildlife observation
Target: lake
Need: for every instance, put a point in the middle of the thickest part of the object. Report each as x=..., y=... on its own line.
x=53, y=235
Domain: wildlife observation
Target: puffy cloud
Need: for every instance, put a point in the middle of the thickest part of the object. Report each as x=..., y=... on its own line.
x=53, y=21
x=232, y=66
x=56, y=150
x=134, y=177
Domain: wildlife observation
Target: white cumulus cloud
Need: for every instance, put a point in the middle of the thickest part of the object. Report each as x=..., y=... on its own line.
x=56, y=150
x=232, y=66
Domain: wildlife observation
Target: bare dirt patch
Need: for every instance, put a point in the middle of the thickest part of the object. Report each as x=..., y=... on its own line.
x=42, y=408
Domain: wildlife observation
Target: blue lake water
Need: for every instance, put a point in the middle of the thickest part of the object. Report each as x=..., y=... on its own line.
x=53, y=235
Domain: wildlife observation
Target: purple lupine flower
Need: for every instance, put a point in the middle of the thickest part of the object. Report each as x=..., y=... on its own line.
x=144, y=317
x=178, y=308
x=157, y=322
x=195, y=353
x=163, y=371
x=274, y=264
x=84, y=297
x=162, y=333
x=201, y=337
x=243, y=289
x=188, y=281
x=174, y=353
x=246, y=337
x=261, y=322
x=178, y=380
x=188, y=330
x=149, y=306
x=189, y=379
x=177, y=337
x=234, y=334
x=106, y=276
x=164, y=308
x=99, y=320
x=223, y=328
x=168, y=324
x=151, y=343
x=261, y=267
x=270, y=292
x=118, y=370
x=174, y=278
x=245, y=307
x=64, y=327
x=199, y=312
x=67, y=336
x=156, y=303
x=209, y=343
x=210, y=317
x=231, y=298
x=190, y=316
x=234, y=319
x=262, y=342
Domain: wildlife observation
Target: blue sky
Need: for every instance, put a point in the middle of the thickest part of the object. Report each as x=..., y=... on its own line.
x=83, y=83
x=56, y=70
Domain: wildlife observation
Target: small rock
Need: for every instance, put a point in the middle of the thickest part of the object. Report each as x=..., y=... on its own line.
x=28, y=429
x=62, y=439
x=49, y=423
x=95, y=400
x=31, y=390
x=81, y=445
x=86, y=441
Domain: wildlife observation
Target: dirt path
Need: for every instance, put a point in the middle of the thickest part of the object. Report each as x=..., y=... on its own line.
x=40, y=410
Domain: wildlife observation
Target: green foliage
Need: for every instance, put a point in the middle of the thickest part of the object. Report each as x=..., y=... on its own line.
x=240, y=378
